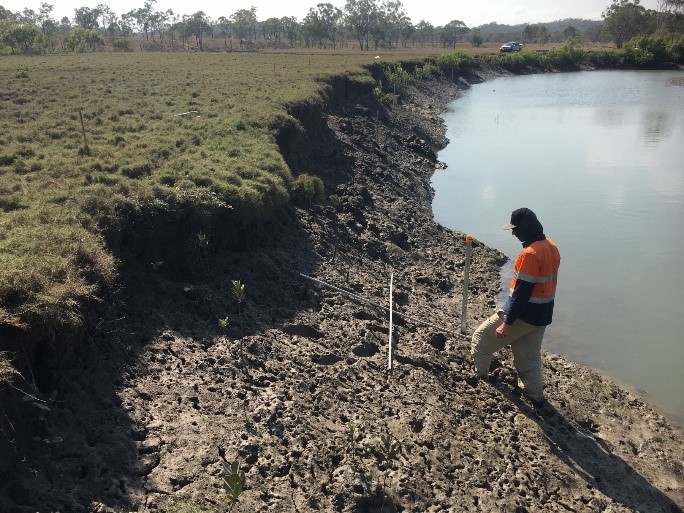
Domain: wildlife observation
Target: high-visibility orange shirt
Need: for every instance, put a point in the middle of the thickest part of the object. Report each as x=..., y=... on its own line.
x=533, y=287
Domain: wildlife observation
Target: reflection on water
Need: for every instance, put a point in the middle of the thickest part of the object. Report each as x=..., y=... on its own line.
x=657, y=126
x=610, y=118
x=598, y=156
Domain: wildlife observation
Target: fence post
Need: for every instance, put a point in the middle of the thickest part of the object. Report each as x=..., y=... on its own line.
x=466, y=272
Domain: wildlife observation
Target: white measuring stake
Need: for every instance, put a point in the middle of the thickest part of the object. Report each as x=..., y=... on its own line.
x=389, y=354
x=466, y=271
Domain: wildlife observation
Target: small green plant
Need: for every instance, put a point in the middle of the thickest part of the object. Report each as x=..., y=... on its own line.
x=223, y=324
x=389, y=451
x=389, y=454
x=352, y=434
x=233, y=482
x=238, y=293
x=334, y=200
x=202, y=243
x=22, y=73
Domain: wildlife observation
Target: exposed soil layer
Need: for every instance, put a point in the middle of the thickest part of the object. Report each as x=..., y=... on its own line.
x=296, y=387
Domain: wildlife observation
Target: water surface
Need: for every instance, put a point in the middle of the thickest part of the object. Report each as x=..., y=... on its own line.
x=599, y=156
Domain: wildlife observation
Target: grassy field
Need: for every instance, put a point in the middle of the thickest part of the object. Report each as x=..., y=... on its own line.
x=88, y=140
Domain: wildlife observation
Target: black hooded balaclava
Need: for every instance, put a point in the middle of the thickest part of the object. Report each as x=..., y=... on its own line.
x=527, y=227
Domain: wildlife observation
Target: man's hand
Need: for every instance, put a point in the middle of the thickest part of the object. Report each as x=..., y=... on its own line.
x=501, y=330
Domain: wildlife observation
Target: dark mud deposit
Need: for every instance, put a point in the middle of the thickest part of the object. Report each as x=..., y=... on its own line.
x=150, y=413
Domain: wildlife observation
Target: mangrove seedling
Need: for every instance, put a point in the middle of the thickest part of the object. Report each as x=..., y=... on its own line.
x=389, y=450
x=352, y=432
x=238, y=293
x=223, y=324
x=233, y=482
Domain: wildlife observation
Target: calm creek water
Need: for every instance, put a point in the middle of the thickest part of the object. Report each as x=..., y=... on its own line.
x=599, y=156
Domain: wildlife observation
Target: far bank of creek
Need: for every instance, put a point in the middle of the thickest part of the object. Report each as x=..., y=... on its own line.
x=598, y=156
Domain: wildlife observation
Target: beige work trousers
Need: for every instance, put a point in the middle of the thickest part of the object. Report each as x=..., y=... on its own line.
x=525, y=341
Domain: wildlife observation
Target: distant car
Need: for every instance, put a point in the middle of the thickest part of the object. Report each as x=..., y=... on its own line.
x=512, y=46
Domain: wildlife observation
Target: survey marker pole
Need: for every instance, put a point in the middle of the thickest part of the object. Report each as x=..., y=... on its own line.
x=466, y=272
x=389, y=353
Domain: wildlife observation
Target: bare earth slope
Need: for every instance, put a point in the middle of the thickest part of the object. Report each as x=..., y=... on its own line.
x=297, y=387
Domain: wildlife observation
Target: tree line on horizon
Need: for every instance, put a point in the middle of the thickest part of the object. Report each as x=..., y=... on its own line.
x=370, y=23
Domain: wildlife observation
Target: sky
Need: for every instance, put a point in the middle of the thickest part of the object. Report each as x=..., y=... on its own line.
x=438, y=12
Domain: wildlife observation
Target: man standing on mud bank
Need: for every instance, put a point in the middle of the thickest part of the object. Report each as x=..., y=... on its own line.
x=529, y=309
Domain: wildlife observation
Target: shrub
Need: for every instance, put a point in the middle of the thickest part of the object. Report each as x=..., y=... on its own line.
x=605, y=59
x=426, y=71
x=676, y=48
x=83, y=40
x=122, y=45
x=307, y=190
x=647, y=50
x=655, y=49
x=570, y=55
x=456, y=62
x=397, y=76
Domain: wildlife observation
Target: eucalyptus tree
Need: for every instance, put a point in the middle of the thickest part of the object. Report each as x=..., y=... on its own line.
x=406, y=31
x=199, y=24
x=595, y=34
x=183, y=30
x=45, y=13
x=291, y=29
x=141, y=17
x=476, y=38
x=272, y=29
x=160, y=22
x=395, y=21
x=425, y=32
x=109, y=20
x=6, y=14
x=362, y=16
x=322, y=24
x=529, y=34
x=47, y=25
x=625, y=19
x=244, y=23
x=570, y=32
x=224, y=27
x=312, y=29
x=87, y=18
x=671, y=6
x=543, y=35
x=453, y=32
x=63, y=30
x=27, y=17
x=671, y=16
